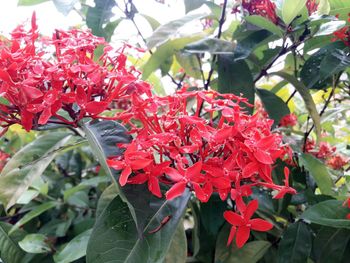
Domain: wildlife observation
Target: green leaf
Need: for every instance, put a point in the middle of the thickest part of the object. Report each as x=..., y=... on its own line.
x=319, y=172
x=115, y=236
x=305, y=94
x=10, y=252
x=264, y=23
x=34, y=243
x=36, y=211
x=28, y=164
x=65, y=6
x=296, y=244
x=166, y=31
x=274, y=105
x=323, y=7
x=190, y=64
x=106, y=197
x=333, y=63
x=30, y=2
x=251, y=252
x=291, y=9
x=329, y=28
x=330, y=213
x=193, y=4
x=330, y=244
x=75, y=249
x=210, y=45
x=151, y=21
x=340, y=7
x=109, y=28
x=235, y=77
x=177, y=252
x=99, y=15
x=163, y=52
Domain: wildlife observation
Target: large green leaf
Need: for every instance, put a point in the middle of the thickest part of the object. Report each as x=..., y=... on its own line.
x=251, y=252
x=164, y=32
x=274, y=105
x=305, y=94
x=333, y=63
x=291, y=9
x=36, y=211
x=340, y=7
x=35, y=243
x=28, y=164
x=330, y=213
x=166, y=51
x=235, y=77
x=106, y=197
x=264, y=23
x=319, y=172
x=177, y=252
x=10, y=252
x=330, y=244
x=100, y=15
x=75, y=249
x=296, y=244
x=190, y=64
x=211, y=45
x=115, y=236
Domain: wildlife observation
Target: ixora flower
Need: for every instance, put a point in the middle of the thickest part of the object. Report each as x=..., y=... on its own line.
x=312, y=6
x=265, y=8
x=63, y=86
x=211, y=147
x=289, y=120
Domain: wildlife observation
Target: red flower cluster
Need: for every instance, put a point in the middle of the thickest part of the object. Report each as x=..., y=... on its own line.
x=312, y=6
x=337, y=161
x=289, y=120
x=204, y=141
x=264, y=8
x=342, y=34
x=58, y=78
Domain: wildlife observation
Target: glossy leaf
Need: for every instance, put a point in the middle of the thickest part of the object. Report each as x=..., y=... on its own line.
x=235, y=77
x=164, y=32
x=319, y=172
x=210, y=45
x=28, y=164
x=116, y=237
x=296, y=244
x=274, y=105
x=291, y=9
x=333, y=63
x=36, y=211
x=305, y=94
x=330, y=213
x=177, y=252
x=330, y=244
x=264, y=23
x=106, y=197
x=329, y=28
x=10, y=252
x=75, y=249
x=35, y=243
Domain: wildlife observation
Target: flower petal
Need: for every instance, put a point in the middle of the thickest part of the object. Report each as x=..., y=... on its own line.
x=176, y=190
x=258, y=224
x=233, y=218
x=251, y=208
x=231, y=235
x=242, y=236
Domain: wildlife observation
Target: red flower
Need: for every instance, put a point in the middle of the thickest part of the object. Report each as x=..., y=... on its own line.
x=337, y=161
x=289, y=120
x=264, y=8
x=242, y=224
x=312, y=6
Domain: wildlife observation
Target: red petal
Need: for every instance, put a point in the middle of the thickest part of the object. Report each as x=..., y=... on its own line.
x=176, y=190
x=250, y=169
x=26, y=120
x=233, y=218
x=231, y=236
x=153, y=186
x=115, y=164
x=140, y=178
x=31, y=92
x=96, y=107
x=251, y=208
x=200, y=193
x=45, y=115
x=194, y=170
x=258, y=224
x=140, y=163
x=80, y=96
x=267, y=142
x=173, y=174
x=242, y=236
x=124, y=175
x=263, y=156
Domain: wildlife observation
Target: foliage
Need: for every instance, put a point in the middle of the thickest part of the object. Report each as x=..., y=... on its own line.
x=109, y=150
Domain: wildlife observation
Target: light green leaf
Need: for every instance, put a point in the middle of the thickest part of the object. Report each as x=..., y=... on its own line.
x=75, y=249
x=166, y=31
x=190, y=64
x=305, y=94
x=323, y=7
x=151, y=21
x=264, y=23
x=291, y=9
x=28, y=164
x=319, y=172
x=30, y=2
x=330, y=213
x=34, y=243
x=10, y=252
x=36, y=211
x=340, y=7
x=296, y=244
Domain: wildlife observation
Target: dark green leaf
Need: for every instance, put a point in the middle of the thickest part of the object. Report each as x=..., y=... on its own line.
x=115, y=236
x=333, y=63
x=330, y=213
x=10, y=252
x=235, y=77
x=274, y=105
x=28, y=164
x=264, y=23
x=177, y=252
x=106, y=197
x=75, y=249
x=319, y=172
x=211, y=45
x=36, y=211
x=330, y=244
x=295, y=245
x=109, y=29
x=34, y=243
x=164, y=32
x=305, y=94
